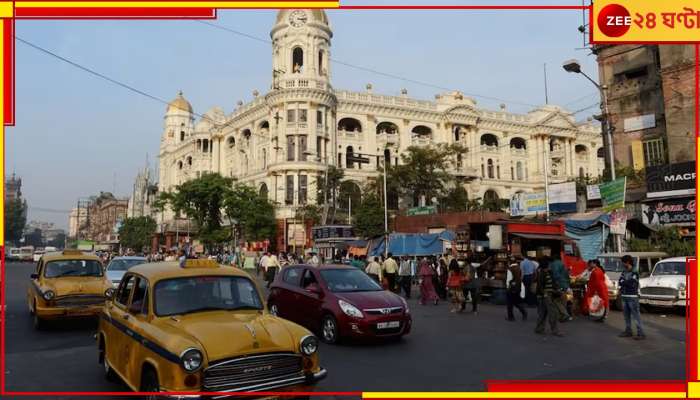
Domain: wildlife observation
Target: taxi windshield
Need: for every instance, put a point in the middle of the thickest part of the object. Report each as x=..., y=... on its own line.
x=124, y=264
x=349, y=280
x=669, y=268
x=205, y=293
x=63, y=268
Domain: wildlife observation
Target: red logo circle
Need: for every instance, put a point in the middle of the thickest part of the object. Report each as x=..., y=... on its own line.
x=614, y=20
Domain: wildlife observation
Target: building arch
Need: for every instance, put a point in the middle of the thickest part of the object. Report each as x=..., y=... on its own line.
x=581, y=150
x=263, y=191
x=491, y=195
x=264, y=125
x=489, y=139
x=349, y=124
x=600, y=152
x=422, y=131
x=518, y=143
x=297, y=60
x=246, y=133
x=387, y=127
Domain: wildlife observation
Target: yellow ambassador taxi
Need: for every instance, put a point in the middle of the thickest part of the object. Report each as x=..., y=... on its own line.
x=67, y=284
x=202, y=327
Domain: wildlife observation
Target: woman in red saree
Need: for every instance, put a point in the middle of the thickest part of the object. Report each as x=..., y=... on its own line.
x=596, y=286
x=427, y=290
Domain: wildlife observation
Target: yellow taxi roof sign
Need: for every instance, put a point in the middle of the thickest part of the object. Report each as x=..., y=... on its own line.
x=200, y=263
x=72, y=252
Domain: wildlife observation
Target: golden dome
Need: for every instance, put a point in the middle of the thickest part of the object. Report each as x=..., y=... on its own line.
x=179, y=104
x=316, y=15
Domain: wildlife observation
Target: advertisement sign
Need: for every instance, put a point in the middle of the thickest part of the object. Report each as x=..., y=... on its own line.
x=618, y=222
x=640, y=122
x=669, y=212
x=527, y=204
x=296, y=234
x=425, y=210
x=671, y=179
x=593, y=192
x=634, y=21
x=613, y=194
x=332, y=232
x=562, y=197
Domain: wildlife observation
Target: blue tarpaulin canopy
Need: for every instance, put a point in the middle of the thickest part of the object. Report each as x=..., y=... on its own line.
x=411, y=244
x=589, y=232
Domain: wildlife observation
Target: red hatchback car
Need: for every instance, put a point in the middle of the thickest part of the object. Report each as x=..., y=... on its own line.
x=338, y=302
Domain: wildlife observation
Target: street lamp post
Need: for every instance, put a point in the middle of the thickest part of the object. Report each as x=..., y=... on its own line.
x=575, y=67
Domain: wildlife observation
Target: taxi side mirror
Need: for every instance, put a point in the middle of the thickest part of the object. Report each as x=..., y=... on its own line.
x=109, y=294
x=34, y=276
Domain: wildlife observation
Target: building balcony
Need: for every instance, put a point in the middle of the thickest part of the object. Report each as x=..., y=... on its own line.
x=464, y=171
x=489, y=149
x=421, y=141
x=383, y=139
x=518, y=152
x=581, y=159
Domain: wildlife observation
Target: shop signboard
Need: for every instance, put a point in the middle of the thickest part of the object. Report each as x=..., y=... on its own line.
x=669, y=212
x=425, y=210
x=527, y=204
x=618, y=222
x=562, y=197
x=592, y=192
x=332, y=232
x=640, y=122
x=613, y=194
x=671, y=179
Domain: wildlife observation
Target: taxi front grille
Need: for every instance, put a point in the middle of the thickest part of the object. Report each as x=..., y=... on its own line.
x=241, y=373
x=79, y=300
x=658, y=291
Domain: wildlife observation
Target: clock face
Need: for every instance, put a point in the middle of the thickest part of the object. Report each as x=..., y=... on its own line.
x=297, y=18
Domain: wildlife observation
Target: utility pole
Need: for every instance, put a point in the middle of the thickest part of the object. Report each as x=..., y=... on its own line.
x=386, y=216
x=546, y=180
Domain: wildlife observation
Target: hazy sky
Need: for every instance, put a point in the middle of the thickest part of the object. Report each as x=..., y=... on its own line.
x=75, y=131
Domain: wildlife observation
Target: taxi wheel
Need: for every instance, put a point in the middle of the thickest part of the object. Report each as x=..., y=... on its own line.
x=329, y=329
x=149, y=383
x=39, y=324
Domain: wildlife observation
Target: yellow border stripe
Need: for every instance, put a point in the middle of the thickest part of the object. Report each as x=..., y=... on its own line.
x=179, y=4
x=524, y=395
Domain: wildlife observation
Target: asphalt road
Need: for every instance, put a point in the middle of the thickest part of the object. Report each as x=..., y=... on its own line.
x=445, y=352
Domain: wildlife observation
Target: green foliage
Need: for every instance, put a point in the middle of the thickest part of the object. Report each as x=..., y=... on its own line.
x=424, y=171
x=252, y=214
x=456, y=200
x=135, y=233
x=201, y=200
x=58, y=242
x=309, y=212
x=329, y=190
x=368, y=220
x=668, y=240
x=15, y=219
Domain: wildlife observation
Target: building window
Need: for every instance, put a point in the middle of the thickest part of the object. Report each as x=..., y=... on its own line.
x=231, y=142
x=302, y=189
x=348, y=157
x=489, y=168
x=290, y=148
x=182, y=136
x=340, y=160
x=498, y=171
x=320, y=62
x=519, y=170
x=319, y=145
x=302, y=148
x=654, y=152
x=302, y=115
x=205, y=146
x=581, y=173
x=264, y=158
x=319, y=117
x=297, y=60
x=289, y=195
x=189, y=160
x=483, y=174
x=291, y=115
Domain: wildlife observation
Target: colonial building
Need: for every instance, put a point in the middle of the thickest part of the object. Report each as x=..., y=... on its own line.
x=143, y=194
x=13, y=188
x=283, y=140
x=77, y=221
x=106, y=213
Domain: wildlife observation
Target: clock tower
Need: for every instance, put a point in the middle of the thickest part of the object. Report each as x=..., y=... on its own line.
x=301, y=40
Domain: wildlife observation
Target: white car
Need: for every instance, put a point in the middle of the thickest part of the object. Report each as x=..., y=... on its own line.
x=119, y=265
x=665, y=287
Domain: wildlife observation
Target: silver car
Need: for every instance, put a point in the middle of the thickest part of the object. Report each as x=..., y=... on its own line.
x=119, y=265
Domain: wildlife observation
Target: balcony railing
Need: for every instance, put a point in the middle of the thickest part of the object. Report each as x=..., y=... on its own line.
x=489, y=149
x=518, y=152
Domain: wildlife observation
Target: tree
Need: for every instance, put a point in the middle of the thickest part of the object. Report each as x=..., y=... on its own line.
x=668, y=240
x=250, y=214
x=309, y=212
x=369, y=217
x=456, y=200
x=202, y=200
x=425, y=171
x=329, y=190
x=135, y=233
x=59, y=241
x=15, y=219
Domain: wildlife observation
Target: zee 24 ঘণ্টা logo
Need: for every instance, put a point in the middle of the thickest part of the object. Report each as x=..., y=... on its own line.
x=666, y=21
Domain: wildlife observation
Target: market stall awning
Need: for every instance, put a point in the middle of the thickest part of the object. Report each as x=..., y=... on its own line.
x=541, y=236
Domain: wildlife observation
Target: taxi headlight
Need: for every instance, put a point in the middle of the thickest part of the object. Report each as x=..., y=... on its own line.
x=308, y=345
x=48, y=295
x=191, y=360
x=349, y=309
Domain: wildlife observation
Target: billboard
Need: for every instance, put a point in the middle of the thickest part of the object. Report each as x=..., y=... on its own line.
x=669, y=212
x=562, y=197
x=671, y=179
x=527, y=204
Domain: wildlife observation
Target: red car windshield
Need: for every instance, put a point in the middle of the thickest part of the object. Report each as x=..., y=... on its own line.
x=349, y=280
